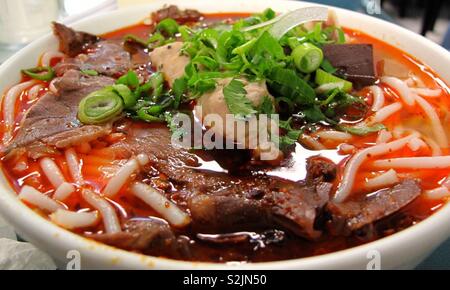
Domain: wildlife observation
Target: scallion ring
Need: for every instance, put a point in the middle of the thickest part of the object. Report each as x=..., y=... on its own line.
x=42, y=73
x=322, y=78
x=307, y=57
x=100, y=106
x=129, y=99
x=145, y=116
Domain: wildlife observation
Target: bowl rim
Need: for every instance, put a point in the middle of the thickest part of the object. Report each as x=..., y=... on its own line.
x=32, y=224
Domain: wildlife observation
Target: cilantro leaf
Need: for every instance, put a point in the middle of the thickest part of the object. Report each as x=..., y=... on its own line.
x=285, y=82
x=237, y=102
x=266, y=106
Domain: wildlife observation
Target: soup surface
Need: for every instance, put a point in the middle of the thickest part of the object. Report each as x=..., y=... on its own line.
x=362, y=150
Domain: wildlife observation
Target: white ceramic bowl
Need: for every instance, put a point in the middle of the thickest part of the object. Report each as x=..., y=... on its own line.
x=403, y=250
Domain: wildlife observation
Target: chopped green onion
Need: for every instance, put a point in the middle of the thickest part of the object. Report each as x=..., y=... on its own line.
x=89, y=72
x=145, y=116
x=307, y=57
x=42, y=73
x=134, y=38
x=157, y=81
x=297, y=17
x=100, y=106
x=129, y=79
x=168, y=25
x=322, y=78
x=362, y=130
x=129, y=99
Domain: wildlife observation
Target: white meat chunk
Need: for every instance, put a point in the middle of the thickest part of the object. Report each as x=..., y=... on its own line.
x=212, y=105
x=169, y=60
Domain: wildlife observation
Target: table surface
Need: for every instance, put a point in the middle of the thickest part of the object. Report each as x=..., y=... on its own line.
x=440, y=259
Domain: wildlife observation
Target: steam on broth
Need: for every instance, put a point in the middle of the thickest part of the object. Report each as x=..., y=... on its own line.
x=362, y=151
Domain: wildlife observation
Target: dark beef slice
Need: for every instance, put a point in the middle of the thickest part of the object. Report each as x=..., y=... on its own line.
x=350, y=216
x=297, y=208
x=320, y=169
x=353, y=61
x=224, y=202
x=181, y=16
x=218, y=214
x=150, y=236
x=55, y=114
x=107, y=57
x=72, y=42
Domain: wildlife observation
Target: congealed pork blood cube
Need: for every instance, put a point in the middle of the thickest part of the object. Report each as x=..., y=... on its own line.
x=353, y=61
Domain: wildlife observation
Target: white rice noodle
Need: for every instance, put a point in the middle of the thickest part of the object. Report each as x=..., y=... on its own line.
x=9, y=107
x=311, y=142
x=438, y=129
x=334, y=135
x=446, y=182
x=384, y=136
x=415, y=81
x=388, y=178
x=143, y=159
x=355, y=162
x=416, y=143
x=52, y=171
x=401, y=88
x=52, y=87
x=347, y=148
x=167, y=209
x=399, y=131
x=378, y=98
x=328, y=87
x=49, y=55
x=34, y=91
x=72, y=220
x=74, y=165
x=107, y=211
x=428, y=93
x=438, y=162
x=37, y=198
x=121, y=177
x=437, y=193
x=385, y=112
x=63, y=191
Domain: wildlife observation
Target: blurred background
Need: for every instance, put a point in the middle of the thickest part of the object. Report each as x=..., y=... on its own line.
x=22, y=21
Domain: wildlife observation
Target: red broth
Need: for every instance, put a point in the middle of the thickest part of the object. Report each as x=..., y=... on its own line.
x=96, y=168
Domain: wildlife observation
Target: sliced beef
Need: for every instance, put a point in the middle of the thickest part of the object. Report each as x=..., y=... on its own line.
x=227, y=203
x=72, y=42
x=320, y=169
x=150, y=236
x=297, y=208
x=89, y=52
x=53, y=118
x=181, y=16
x=219, y=214
x=107, y=58
x=353, y=61
x=353, y=215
